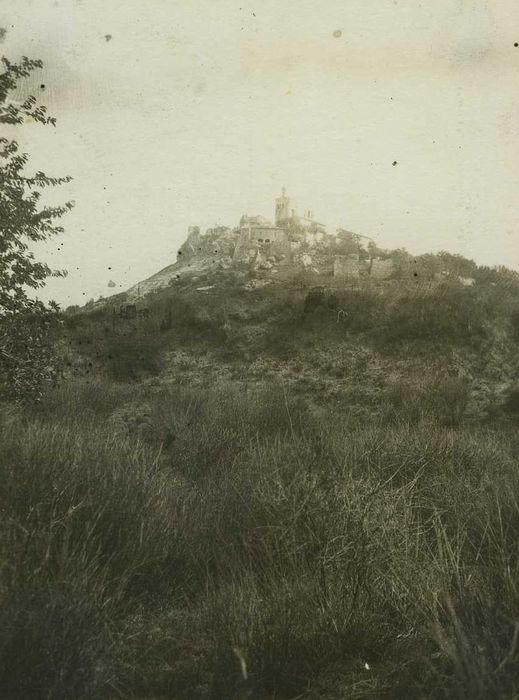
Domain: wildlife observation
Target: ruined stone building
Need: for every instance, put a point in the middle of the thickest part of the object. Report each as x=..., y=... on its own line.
x=290, y=239
x=381, y=269
x=347, y=266
x=304, y=226
x=259, y=230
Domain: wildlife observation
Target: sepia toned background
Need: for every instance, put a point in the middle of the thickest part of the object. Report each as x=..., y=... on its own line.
x=392, y=118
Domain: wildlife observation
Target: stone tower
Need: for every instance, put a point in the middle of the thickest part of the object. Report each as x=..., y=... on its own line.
x=282, y=207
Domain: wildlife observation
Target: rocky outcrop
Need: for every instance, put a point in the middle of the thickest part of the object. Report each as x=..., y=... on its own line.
x=256, y=244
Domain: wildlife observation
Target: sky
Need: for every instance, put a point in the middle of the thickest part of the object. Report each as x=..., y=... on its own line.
x=174, y=113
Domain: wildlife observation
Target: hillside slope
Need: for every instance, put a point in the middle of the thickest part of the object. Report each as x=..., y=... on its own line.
x=282, y=473
x=354, y=344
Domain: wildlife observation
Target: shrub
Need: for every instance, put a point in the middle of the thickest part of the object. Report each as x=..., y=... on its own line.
x=514, y=318
x=512, y=401
x=56, y=638
x=29, y=363
x=446, y=313
x=130, y=357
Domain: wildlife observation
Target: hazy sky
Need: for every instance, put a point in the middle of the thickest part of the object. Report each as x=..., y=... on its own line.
x=173, y=113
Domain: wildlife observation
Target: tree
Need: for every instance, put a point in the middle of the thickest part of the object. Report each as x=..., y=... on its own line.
x=374, y=251
x=429, y=265
x=456, y=265
x=347, y=242
x=401, y=260
x=27, y=359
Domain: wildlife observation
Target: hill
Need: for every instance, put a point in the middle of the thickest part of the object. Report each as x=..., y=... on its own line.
x=270, y=482
x=350, y=340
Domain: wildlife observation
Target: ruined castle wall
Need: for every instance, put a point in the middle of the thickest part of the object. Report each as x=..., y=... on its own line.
x=244, y=251
x=267, y=234
x=346, y=266
x=382, y=269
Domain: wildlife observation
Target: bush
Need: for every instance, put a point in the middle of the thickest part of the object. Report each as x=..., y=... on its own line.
x=512, y=401
x=56, y=638
x=514, y=318
x=130, y=357
x=29, y=363
x=447, y=313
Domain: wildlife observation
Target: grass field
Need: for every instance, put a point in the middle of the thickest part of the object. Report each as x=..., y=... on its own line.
x=155, y=540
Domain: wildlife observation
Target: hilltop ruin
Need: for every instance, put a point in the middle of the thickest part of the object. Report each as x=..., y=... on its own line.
x=295, y=244
x=291, y=243
x=291, y=240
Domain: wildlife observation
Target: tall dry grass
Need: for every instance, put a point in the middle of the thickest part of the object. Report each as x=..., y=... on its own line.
x=149, y=534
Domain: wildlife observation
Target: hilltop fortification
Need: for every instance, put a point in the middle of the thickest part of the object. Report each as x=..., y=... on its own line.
x=292, y=242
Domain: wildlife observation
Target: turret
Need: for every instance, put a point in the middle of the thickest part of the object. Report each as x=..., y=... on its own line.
x=282, y=207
